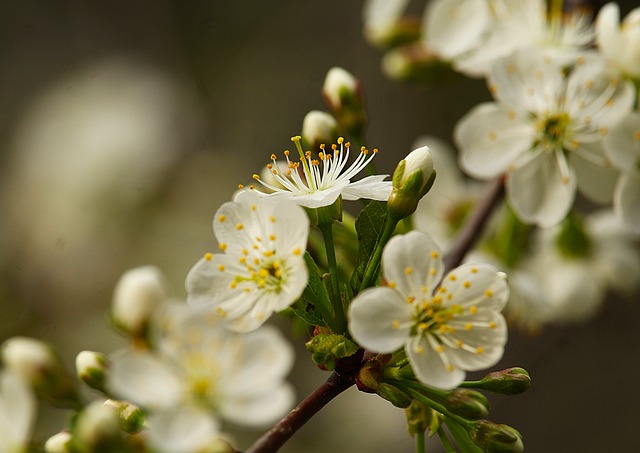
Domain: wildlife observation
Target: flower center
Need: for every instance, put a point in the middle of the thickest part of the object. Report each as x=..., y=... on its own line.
x=554, y=130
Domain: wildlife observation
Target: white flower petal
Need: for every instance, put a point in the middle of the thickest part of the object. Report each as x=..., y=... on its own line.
x=144, y=379
x=429, y=366
x=483, y=335
x=538, y=191
x=622, y=143
x=17, y=411
x=258, y=410
x=412, y=263
x=491, y=138
x=477, y=287
x=380, y=319
x=371, y=188
x=596, y=182
x=184, y=429
x=626, y=201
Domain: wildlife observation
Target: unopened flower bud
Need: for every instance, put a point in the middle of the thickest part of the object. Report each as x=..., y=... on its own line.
x=494, y=438
x=130, y=416
x=412, y=179
x=394, y=395
x=467, y=403
x=414, y=63
x=92, y=369
x=98, y=428
x=319, y=127
x=342, y=93
x=511, y=381
x=421, y=417
x=138, y=293
x=59, y=443
x=40, y=364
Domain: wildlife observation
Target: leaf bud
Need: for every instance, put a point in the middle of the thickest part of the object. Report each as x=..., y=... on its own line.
x=469, y=404
x=61, y=442
x=511, y=381
x=137, y=295
x=38, y=363
x=412, y=179
x=92, y=368
x=495, y=438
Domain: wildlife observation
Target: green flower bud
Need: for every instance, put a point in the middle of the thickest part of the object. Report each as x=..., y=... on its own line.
x=394, y=395
x=92, y=369
x=469, y=404
x=319, y=127
x=511, y=381
x=327, y=349
x=494, y=438
x=59, y=443
x=41, y=365
x=130, y=416
x=97, y=429
x=412, y=179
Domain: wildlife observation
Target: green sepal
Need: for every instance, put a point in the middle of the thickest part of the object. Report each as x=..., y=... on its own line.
x=369, y=226
x=314, y=306
x=327, y=348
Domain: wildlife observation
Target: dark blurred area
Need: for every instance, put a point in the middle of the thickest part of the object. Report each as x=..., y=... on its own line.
x=125, y=125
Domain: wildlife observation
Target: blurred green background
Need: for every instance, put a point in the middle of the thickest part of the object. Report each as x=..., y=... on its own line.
x=125, y=124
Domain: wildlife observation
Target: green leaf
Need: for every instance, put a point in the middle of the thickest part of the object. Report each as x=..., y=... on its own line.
x=369, y=226
x=327, y=348
x=314, y=306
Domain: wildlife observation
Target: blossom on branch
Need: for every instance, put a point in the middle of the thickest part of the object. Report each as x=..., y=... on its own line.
x=445, y=329
x=314, y=183
x=261, y=269
x=545, y=131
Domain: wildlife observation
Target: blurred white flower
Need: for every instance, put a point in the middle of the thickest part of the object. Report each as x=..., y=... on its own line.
x=445, y=330
x=545, y=132
x=572, y=282
x=200, y=364
x=319, y=127
x=186, y=429
x=17, y=412
x=325, y=179
x=622, y=145
x=262, y=269
x=620, y=43
x=380, y=17
x=473, y=34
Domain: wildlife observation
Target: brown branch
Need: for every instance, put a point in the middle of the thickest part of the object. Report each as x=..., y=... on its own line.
x=273, y=439
x=473, y=228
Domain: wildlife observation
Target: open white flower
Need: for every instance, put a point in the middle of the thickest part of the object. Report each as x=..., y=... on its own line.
x=262, y=269
x=200, y=364
x=622, y=145
x=545, y=132
x=620, y=43
x=17, y=412
x=314, y=183
x=445, y=330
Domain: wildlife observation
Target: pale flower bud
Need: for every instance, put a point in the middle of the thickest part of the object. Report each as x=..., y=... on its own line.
x=412, y=179
x=319, y=127
x=39, y=364
x=137, y=295
x=98, y=428
x=338, y=85
x=92, y=369
x=131, y=417
x=59, y=443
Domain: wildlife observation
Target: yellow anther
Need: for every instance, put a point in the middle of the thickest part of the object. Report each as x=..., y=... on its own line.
x=240, y=186
x=453, y=278
x=296, y=138
x=423, y=326
x=436, y=300
x=287, y=152
x=222, y=218
x=479, y=350
x=261, y=283
x=348, y=144
x=488, y=293
x=435, y=255
x=474, y=270
x=259, y=316
x=242, y=260
x=221, y=311
x=410, y=299
x=268, y=253
x=468, y=326
x=208, y=256
x=221, y=267
x=432, y=271
x=459, y=343
x=256, y=177
x=408, y=270
x=375, y=150
x=253, y=207
x=340, y=140
x=450, y=367
x=473, y=309
x=440, y=348
x=492, y=325
x=245, y=251
x=273, y=157
x=395, y=324
x=442, y=289
x=272, y=219
x=233, y=284
x=263, y=273
x=297, y=251
x=492, y=136
x=251, y=187
x=391, y=284
x=466, y=284
x=239, y=226
x=272, y=237
x=322, y=146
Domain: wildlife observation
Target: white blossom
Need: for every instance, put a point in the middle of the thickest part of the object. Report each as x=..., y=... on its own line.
x=200, y=365
x=622, y=145
x=314, y=183
x=620, y=42
x=261, y=269
x=545, y=132
x=445, y=329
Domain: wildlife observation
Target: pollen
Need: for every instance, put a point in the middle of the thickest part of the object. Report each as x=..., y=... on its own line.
x=208, y=256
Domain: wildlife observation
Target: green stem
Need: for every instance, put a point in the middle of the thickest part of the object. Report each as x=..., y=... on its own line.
x=420, y=446
x=446, y=443
x=373, y=266
x=326, y=228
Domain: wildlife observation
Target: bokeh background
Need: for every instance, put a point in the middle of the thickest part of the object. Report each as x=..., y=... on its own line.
x=125, y=124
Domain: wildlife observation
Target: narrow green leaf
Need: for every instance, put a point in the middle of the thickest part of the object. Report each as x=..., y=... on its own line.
x=314, y=306
x=369, y=226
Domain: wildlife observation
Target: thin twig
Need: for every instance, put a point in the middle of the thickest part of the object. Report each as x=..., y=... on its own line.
x=273, y=439
x=474, y=227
